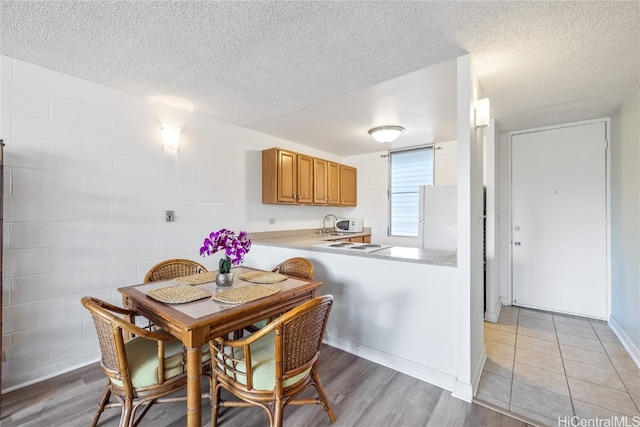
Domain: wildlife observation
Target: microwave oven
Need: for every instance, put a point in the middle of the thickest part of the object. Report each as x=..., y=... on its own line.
x=350, y=225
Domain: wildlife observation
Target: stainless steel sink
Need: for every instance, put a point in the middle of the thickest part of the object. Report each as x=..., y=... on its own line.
x=327, y=233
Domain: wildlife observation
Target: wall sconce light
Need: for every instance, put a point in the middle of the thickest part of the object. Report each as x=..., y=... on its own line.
x=386, y=134
x=482, y=112
x=170, y=136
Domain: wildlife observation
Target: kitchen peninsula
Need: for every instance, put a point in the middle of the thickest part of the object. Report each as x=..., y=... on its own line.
x=310, y=239
x=395, y=306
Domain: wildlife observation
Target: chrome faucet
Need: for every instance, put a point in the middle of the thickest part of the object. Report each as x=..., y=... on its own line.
x=323, y=228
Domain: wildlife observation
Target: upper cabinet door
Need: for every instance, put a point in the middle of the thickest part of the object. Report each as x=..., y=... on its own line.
x=333, y=184
x=348, y=186
x=305, y=179
x=287, y=176
x=320, y=182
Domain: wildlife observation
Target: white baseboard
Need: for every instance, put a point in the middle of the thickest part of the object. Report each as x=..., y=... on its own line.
x=492, y=316
x=421, y=372
x=465, y=391
x=482, y=359
x=625, y=340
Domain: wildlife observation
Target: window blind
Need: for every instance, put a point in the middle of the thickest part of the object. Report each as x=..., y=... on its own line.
x=409, y=170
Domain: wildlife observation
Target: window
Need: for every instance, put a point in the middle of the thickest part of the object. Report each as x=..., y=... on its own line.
x=409, y=170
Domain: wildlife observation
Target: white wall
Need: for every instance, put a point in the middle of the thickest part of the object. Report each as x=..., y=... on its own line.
x=492, y=203
x=445, y=163
x=470, y=288
x=87, y=182
x=625, y=222
x=373, y=181
x=504, y=213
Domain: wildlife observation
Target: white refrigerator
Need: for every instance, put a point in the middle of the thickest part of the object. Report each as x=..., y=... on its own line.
x=438, y=217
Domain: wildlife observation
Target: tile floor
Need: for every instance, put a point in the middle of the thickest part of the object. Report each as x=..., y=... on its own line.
x=543, y=366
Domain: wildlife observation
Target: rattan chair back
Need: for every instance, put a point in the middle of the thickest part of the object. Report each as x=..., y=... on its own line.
x=297, y=267
x=298, y=337
x=111, y=323
x=172, y=268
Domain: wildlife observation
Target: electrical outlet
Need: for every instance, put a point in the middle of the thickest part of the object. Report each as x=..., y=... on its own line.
x=169, y=217
x=272, y=221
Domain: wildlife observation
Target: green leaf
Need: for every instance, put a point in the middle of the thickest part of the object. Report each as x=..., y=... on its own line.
x=224, y=266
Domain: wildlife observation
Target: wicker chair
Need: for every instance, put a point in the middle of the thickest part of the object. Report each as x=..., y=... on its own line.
x=297, y=267
x=140, y=372
x=172, y=268
x=281, y=362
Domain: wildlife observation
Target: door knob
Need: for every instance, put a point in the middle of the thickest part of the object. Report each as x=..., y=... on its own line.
x=516, y=243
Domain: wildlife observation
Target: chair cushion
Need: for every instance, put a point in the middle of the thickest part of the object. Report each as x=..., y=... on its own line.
x=142, y=355
x=261, y=324
x=264, y=366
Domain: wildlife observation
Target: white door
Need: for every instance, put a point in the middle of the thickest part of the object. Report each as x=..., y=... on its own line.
x=558, y=223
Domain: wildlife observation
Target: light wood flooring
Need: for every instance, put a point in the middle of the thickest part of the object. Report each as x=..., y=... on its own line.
x=361, y=392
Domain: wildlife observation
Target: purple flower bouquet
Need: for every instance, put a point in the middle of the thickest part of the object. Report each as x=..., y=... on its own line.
x=234, y=246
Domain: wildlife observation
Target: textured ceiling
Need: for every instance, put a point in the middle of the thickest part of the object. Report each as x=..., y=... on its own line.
x=294, y=69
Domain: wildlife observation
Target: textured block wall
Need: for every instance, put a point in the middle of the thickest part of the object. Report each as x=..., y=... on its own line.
x=87, y=181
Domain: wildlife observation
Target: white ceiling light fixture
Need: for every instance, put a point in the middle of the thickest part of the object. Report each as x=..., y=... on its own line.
x=170, y=136
x=483, y=113
x=386, y=134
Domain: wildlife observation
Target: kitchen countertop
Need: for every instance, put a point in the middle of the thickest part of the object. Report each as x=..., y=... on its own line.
x=306, y=239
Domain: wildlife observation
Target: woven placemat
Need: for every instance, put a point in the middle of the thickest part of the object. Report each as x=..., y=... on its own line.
x=196, y=279
x=178, y=294
x=262, y=277
x=246, y=293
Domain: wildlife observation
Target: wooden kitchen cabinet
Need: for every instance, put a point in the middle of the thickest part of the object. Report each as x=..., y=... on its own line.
x=305, y=179
x=348, y=186
x=285, y=183
x=333, y=184
x=294, y=178
x=287, y=177
x=359, y=239
x=320, y=177
x=326, y=182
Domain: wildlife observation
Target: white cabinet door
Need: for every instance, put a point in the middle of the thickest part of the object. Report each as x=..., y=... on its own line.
x=559, y=245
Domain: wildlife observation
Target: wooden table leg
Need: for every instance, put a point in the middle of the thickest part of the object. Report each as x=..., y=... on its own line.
x=194, y=387
x=131, y=319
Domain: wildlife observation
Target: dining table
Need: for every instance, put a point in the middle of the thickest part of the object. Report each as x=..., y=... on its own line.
x=197, y=322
